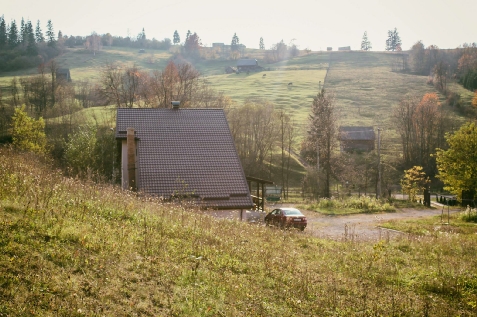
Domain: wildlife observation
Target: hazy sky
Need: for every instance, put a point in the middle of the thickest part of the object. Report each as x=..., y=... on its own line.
x=313, y=24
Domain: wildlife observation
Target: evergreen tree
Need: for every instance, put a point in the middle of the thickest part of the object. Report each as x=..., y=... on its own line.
x=261, y=45
x=13, y=35
x=22, y=35
x=30, y=40
x=235, y=42
x=188, y=35
x=176, y=38
x=3, y=33
x=365, y=43
x=393, y=43
x=322, y=138
x=50, y=34
x=39, y=33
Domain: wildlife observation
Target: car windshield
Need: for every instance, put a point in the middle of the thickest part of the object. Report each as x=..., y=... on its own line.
x=292, y=212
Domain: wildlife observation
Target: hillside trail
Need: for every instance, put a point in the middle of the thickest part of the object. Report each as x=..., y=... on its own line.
x=364, y=227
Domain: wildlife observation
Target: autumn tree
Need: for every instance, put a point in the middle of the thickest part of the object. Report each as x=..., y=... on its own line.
x=417, y=58
x=474, y=99
x=278, y=52
x=421, y=125
x=192, y=46
x=254, y=129
x=458, y=164
x=414, y=182
x=122, y=87
x=93, y=43
x=365, y=43
x=28, y=134
x=440, y=76
x=393, y=42
x=107, y=39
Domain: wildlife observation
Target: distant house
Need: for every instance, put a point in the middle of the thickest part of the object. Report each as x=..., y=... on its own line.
x=344, y=48
x=359, y=139
x=230, y=70
x=248, y=65
x=187, y=153
x=329, y=48
x=218, y=45
x=63, y=74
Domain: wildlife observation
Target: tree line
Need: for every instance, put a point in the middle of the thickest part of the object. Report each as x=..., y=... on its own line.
x=25, y=46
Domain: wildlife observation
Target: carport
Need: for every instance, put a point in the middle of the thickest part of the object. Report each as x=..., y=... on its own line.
x=259, y=198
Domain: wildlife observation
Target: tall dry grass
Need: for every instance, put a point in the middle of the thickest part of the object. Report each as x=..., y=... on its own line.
x=73, y=248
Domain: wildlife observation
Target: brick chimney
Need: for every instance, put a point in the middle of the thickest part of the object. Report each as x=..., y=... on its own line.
x=131, y=145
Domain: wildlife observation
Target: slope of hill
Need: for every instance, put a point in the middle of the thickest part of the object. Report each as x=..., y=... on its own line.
x=71, y=248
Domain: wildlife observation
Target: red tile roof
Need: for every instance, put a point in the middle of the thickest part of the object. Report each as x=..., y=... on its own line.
x=187, y=152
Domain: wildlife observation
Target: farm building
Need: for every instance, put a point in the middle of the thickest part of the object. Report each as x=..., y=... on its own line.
x=344, y=48
x=357, y=139
x=248, y=65
x=63, y=74
x=329, y=48
x=230, y=70
x=182, y=153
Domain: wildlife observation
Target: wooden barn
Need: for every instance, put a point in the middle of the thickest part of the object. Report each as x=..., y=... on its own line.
x=360, y=139
x=63, y=74
x=248, y=65
x=230, y=70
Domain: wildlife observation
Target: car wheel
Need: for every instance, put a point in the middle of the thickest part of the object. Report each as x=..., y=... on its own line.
x=302, y=228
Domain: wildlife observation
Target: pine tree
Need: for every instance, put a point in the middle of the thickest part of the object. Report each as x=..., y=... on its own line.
x=188, y=35
x=365, y=43
x=176, y=38
x=50, y=34
x=322, y=133
x=13, y=35
x=30, y=40
x=3, y=33
x=22, y=34
x=261, y=45
x=39, y=33
x=235, y=42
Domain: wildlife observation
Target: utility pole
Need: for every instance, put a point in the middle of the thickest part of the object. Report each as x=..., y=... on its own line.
x=378, y=189
x=318, y=166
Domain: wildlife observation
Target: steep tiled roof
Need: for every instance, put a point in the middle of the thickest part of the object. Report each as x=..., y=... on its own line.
x=357, y=133
x=187, y=151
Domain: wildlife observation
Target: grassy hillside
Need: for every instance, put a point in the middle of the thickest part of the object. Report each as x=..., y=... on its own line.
x=69, y=248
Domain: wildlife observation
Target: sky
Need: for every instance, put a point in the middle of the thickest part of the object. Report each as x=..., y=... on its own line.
x=312, y=24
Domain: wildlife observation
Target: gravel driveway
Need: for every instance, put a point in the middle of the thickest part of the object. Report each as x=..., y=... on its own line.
x=361, y=226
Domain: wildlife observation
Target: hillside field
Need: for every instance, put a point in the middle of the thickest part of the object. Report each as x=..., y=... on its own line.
x=364, y=84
